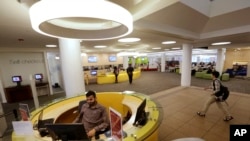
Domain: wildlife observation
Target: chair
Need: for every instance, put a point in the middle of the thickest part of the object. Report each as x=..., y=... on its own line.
x=79, y=109
x=103, y=131
x=80, y=105
x=86, y=78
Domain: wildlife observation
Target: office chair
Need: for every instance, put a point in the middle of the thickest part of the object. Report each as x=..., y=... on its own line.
x=80, y=105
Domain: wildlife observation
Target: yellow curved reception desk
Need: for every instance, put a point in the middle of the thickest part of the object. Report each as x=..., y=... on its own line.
x=110, y=77
x=64, y=111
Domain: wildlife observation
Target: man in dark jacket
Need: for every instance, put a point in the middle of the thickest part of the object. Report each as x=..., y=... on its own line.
x=130, y=71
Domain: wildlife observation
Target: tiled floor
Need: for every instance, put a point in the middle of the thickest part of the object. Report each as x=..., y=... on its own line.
x=180, y=105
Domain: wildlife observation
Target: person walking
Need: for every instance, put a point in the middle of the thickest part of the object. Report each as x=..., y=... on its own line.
x=130, y=71
x=116, y=73
x=214, y=99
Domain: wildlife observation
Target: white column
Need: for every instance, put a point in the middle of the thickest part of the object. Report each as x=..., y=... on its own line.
x=2, y=93
x=125, y=62
x=220, y=60
x=48, y=73
x=72, y=70
x=248, y=70
x=34, y=91
x=133, y=61
x=3, y=122
x=186, y=65
x=163, y=62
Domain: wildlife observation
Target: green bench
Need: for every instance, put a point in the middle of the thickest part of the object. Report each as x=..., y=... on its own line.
x=225, y=77
x=205, y=75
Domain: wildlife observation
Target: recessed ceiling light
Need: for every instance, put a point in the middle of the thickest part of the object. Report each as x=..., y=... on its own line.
x=129, y=40
x=83, y=54
x=175, y=48
x=127, y=54
x=51, y=45
x=168, y=42
x=221, y=43
x=156, y=48
x=100, y=46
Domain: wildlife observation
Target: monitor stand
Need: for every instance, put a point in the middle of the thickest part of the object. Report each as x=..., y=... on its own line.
x=18, y=84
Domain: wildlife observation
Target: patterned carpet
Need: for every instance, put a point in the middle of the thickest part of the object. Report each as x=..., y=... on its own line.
x=152, y=82
x=149, y=83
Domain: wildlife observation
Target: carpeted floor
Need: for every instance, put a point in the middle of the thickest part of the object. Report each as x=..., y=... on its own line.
x=149, y=83
x=152, y=82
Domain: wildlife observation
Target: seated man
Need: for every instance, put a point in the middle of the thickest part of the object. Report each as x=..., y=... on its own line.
x=93, y=116
x=210, y=70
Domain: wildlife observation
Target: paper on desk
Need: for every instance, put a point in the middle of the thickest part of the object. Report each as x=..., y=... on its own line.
x=22, y=127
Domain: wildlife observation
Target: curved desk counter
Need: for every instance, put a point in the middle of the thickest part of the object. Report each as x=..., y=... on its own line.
x=110, y=77
x=123, y=103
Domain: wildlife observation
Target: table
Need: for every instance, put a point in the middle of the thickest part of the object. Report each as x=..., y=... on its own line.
x=18, y=93
x=42, y=88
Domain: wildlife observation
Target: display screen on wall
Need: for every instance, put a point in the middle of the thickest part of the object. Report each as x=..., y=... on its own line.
x=112, y=58
x=92, y=59
x=93, y=72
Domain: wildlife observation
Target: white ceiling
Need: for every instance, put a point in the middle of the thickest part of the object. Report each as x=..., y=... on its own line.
x=197, y=22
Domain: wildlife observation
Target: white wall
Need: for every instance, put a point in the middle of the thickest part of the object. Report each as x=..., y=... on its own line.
x=26, y=63
x=23, y=64
x=153, y=62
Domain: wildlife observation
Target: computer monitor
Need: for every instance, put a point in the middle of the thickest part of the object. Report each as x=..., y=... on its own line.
x=42, y=122
x=17, y=79
x=141, y=115
x=39, y=76
x=112, y=58
x=92, y=59
x=41, y=125
x=93, y=72
x=67, y=131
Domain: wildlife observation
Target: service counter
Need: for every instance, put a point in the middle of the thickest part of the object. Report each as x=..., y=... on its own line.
x=107, y=78
x=65, y=111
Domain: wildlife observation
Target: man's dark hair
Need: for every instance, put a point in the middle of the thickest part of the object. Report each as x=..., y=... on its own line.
x=89, y=93
x=216, y=74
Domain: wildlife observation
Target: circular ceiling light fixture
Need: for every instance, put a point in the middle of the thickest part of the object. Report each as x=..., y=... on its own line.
x=168, y=42
x=129, y=40
x=175, y=48
x=81, y=19
x=221, y=43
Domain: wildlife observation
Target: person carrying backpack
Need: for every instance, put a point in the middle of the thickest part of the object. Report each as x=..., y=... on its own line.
x=216, y=97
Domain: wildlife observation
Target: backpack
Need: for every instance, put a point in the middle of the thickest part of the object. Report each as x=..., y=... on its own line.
x=223, y=94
